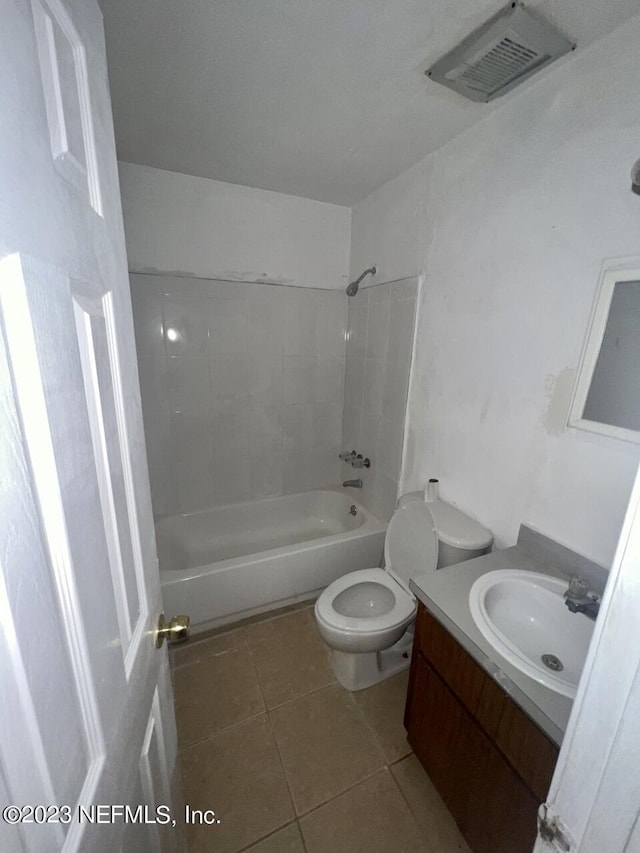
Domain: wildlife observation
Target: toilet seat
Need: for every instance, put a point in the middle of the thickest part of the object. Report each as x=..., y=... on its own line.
x=400, y=610
x=411, y=546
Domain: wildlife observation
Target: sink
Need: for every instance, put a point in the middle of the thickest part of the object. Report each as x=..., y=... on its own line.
x=524, y=617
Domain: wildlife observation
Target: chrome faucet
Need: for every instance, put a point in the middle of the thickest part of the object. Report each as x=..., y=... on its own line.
x=580, y=599
x=354, y=484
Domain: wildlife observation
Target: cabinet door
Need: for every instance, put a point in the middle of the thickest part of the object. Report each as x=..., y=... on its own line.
x=492, y=806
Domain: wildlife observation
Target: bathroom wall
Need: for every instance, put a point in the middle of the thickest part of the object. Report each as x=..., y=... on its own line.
x=242, y=388
x=188, y=226
x=380, y=342
x=509, y=225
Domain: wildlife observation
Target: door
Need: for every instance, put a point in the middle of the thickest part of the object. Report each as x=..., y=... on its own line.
x=594, y=799
x=86, y=717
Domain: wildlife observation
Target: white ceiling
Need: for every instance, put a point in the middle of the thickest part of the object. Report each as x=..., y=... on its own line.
x=317, y=98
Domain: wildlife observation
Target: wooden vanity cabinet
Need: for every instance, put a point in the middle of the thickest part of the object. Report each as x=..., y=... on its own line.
x=490, y=763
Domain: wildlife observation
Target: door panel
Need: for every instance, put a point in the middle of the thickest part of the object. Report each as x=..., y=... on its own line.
x=101, y=375
x=153, y=777
x=65, y=83
x=64, y=675
x=86, y=714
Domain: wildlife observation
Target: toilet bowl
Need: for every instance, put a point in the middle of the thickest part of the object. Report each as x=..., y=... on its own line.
x=364, y=611
x=366, y=617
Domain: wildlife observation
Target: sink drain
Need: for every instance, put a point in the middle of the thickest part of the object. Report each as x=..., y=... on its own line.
x=552, y=662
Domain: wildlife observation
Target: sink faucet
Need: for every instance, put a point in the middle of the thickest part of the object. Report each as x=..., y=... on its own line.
x=580, y=599
x=354, y=484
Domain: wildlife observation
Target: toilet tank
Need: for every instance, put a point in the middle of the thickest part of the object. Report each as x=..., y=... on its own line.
x=460, y=538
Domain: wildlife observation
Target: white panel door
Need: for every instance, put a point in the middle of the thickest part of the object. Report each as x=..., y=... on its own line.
x=594, y=799
x=86, y=717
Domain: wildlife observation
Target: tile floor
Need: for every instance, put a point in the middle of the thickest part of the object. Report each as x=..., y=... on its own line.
x=289, y=760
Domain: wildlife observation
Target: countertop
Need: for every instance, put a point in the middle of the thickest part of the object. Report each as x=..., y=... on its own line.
x=445, y=593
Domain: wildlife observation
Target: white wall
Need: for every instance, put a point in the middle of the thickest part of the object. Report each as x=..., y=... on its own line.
x=188, y=226
x=509, y=224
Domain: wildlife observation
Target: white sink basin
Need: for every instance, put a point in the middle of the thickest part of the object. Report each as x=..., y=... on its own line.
x=524, y=617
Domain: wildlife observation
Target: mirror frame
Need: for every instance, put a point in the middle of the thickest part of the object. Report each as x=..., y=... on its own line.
x=612, y=273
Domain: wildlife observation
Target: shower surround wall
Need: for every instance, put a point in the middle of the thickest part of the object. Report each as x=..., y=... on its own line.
x=242, y=388
x=379, y=347
x=247, y=401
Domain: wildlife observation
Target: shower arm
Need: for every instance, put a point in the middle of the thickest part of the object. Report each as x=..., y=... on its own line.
x=370, y=271
x=352, y=287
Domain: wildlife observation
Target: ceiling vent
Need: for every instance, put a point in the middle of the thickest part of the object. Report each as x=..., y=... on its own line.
x=499, y=55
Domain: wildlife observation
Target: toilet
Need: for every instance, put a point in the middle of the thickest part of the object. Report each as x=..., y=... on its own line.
x=366, y=617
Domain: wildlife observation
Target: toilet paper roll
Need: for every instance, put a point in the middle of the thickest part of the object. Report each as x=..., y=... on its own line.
x=431, y=491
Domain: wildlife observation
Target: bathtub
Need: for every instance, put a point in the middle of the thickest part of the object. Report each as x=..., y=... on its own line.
x=226, y=563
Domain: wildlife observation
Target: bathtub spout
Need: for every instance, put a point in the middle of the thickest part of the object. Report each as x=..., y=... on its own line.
x=354, y=484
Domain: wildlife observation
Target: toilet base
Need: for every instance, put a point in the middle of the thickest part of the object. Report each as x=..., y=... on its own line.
x=358, y=670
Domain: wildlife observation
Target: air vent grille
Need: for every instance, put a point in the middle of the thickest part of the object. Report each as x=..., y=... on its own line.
x=505, y=51
x=507, y=60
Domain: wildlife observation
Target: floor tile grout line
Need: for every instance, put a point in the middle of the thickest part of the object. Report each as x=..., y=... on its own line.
x=240, y=626
x=217, y=731
x=324, y=802
x=267, y=709
x=176, y=666
x=255, y=644
x=370, y=728
x=386, y=763
x=262, y=838
x=257, y=675
x=287, y=701
x=224, y=730
x=249, y=621
x=288, y=614
x=304, y=843
x=275, y=739
x=201, y=639
x=294, y=819
x=283, y=768
x=260, y=684
x=293, y=698
x=302, y=696
x=408, y=804
x=344, y=791
x=361, y=716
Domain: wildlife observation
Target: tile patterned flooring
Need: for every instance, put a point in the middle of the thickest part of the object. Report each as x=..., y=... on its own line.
x=289, y=760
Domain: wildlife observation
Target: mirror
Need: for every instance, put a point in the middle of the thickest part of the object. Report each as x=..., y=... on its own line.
x=607, y=394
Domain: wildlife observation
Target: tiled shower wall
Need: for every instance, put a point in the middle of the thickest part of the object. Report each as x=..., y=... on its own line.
x=242, y=388
x=379, y=348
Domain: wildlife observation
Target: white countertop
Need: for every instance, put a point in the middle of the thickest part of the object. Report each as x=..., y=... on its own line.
x=445, y=593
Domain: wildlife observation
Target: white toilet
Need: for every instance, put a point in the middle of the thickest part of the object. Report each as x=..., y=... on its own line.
x=366, y=617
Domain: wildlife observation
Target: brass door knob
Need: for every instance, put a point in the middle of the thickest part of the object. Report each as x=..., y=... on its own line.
x=176, y=631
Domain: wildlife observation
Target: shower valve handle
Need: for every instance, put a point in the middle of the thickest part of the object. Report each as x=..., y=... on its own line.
x=359, y=462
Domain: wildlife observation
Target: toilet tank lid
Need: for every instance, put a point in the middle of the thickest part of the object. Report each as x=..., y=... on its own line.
x=457, y=529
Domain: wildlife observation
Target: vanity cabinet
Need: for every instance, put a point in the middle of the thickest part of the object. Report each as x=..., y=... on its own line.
x=490, y=763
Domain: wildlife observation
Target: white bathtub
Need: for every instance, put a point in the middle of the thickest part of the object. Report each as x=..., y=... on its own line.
x=229, y=562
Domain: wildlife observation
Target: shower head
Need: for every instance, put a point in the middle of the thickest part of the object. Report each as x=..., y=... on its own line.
x=352, y=287
x=635, y=177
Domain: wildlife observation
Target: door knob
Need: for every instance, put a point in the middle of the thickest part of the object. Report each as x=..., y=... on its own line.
x=175, y=632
